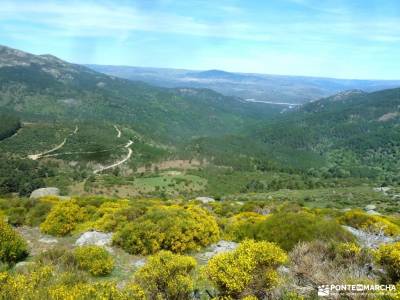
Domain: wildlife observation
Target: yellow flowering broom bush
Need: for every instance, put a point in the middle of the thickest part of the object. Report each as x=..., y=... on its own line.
x=107, y=217
x=372, y=223
x=94, y=259
x=167, y=276
x=248, y=270
x=389, y=257
x=24, y=286
x=238, y=225
x=12, y=246
x=63, y=218
x=348, y=250
x=45, y=283
x=175, y=228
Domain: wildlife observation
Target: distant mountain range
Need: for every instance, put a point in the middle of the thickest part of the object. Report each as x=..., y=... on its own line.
x=279, y=89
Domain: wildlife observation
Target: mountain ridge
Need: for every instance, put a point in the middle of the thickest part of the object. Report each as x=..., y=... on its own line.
x=260, y=87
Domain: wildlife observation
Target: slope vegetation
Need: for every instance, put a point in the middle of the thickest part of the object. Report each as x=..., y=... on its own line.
x=47, y=87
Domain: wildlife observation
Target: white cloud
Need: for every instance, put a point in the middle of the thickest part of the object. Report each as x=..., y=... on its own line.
x=108, y=19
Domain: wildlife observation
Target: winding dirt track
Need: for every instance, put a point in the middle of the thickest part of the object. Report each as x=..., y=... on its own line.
x=118, y=131
x=101, y=169
x=40, y=155
x=119, y=162
x=43, y=154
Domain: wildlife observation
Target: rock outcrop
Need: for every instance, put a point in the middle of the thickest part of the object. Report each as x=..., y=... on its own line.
x=205, y=200
x=370, y=240
x=94, y=238
x=49, y=191
x=214, y=249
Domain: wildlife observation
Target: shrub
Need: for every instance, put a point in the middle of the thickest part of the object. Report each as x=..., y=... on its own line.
x=134, y=292
x=248, y=270
x=316, y=262
x=94, y=259
x=37, y=214
x=225, y=208
x=167, y=276
x=24, y=286
x=371, y=223
x=239, y=225
x=250, y=297
x=389, y=257
x=45, y=283
x=16, y=216
x=109, y=215
x=98, y=290
x=288, y=228
x=50, y=200
x=12, y=246
x=61, y=257
x=21, y=211
x=173, y=228
x=292, y=296
x=348, y=250
x=63, y=218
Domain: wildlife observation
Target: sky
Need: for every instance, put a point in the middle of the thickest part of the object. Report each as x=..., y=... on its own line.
x=325, y=38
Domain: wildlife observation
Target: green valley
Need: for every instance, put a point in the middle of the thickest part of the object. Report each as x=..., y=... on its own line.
x=116, y=189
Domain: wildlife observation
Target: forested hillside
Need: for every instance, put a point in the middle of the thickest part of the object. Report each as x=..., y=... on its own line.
x=9, y=125
x=44, y=87
x=359, y=129
x=352, y=134
x=349, y=138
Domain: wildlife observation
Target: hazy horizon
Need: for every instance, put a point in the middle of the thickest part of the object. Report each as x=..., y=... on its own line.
x=333, y=39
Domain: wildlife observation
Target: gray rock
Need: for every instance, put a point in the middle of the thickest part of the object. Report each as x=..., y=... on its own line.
x=205, y=200
x=48, y=240
x=263, y=211
x=370, y=207
x=373, y=212
x=283, y=270
x=370, y=240
x=214, y=249
x=94, y=238
x=383, y=189
x=140, y=263
x=23, y=265
x=50, y=191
